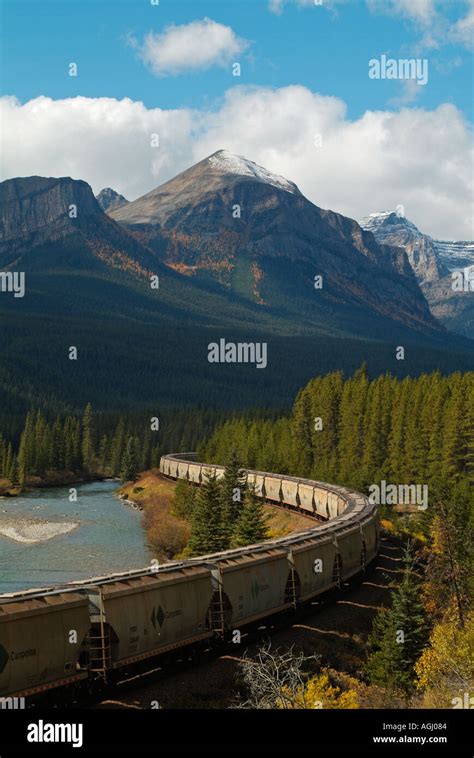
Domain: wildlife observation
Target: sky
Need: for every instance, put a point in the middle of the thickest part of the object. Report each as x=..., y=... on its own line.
x=128, y=93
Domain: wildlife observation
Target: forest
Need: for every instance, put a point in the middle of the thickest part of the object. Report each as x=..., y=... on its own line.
x=354, y=431
x=357, y=432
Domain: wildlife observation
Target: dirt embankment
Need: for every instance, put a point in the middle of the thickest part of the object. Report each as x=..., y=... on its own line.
x=167, y=534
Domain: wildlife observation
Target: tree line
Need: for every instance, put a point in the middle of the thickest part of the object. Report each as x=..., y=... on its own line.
x=72, y=444
x=357, y=431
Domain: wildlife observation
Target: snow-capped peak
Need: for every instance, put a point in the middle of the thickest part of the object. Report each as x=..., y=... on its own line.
x=237, y=164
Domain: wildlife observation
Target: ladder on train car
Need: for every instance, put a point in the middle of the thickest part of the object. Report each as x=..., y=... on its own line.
x=100, y=653
x=216, y=611
x=292, y=588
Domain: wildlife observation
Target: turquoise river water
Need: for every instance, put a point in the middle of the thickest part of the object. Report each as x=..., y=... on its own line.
x=109, y=537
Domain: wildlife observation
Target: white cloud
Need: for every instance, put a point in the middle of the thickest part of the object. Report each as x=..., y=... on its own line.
x=463, y=30
x=197, y=45
x=426, y=15
x=420, y=159
x=421, y=11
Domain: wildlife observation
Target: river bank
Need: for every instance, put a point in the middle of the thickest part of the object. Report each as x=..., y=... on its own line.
x=51, y=480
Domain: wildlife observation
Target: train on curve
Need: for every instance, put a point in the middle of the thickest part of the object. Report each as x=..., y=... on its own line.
x=88, y=632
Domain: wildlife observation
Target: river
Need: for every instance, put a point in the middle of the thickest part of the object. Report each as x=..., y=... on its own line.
x=107, y=536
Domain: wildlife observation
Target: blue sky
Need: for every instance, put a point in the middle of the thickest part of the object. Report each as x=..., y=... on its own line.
x=326, y=49
x=304, y=105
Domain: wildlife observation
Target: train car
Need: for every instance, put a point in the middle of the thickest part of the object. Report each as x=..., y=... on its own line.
x=273, y=488
x=321, y=502
x=314, y=561
x=258, y=480
x=43, y=643
x=306, y=495
x=350, y=547
x=140, y=617
x=370, y=537
x=194, y=473
x=173, y=469
x=183, y=468
x=290, y=493
x=253, y=585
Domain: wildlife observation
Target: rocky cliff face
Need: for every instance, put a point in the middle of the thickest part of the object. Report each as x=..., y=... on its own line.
x=109, y=200
x=47, y=222
x=42, y=207
x=433, y=262
x=231, y=221
x=392, y=229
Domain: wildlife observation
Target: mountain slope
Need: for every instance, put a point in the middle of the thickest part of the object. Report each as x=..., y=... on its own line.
x=63, y=215
x=433, y=263
x=88, y=286
x=230, y=221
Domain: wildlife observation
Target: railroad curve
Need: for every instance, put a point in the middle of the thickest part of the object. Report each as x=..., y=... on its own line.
x=78, y=633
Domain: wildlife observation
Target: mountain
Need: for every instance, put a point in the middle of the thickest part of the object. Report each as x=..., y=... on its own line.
x=109, y=200
x=57, y=222
x=455, y=255
x=433, y=262
x=142, y=301
x=231, y=222
x=391, y=229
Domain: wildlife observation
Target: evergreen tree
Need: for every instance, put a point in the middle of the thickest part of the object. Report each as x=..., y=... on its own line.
x=252, y=523
x=25, y=453
x=117, y=451
x=88, y=447
x=184, y=499
x=129, y=468
x=206, y=527
x=14, y=474
x=399, y=634
x=232, y=491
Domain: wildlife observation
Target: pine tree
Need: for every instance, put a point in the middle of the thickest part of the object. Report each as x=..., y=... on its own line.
x=399, y=634
x=25, y=454
x=129, y=468
x=88, y=447
x=206, y=532
x=14, y=474
x=117, y=448
x=232, y=491
x=252, y=524
x=184, y=499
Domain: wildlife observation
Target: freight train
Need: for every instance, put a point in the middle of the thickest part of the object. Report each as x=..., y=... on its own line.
x=88, y=632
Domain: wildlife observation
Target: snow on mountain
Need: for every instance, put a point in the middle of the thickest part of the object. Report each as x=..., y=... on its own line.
x=433, y=262
x=455, y=255
x=230, y=163
x=391, y=228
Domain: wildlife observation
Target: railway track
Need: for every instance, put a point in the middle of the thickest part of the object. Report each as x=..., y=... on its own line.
x=93, y=633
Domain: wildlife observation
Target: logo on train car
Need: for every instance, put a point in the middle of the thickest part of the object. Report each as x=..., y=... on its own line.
x=256, y=588
x=157, y=616
x=160, y=615
x=3, y=658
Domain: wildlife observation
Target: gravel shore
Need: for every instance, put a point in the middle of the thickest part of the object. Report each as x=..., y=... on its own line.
x=29, y=530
